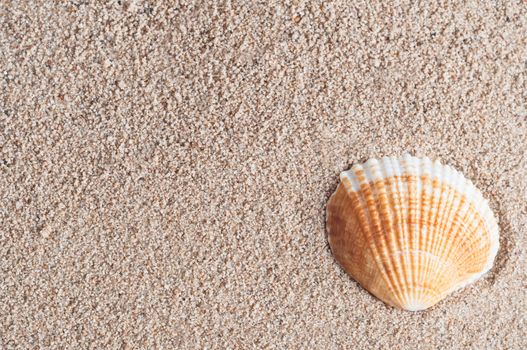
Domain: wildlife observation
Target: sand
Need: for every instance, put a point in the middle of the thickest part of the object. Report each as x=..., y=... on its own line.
x=164, y=169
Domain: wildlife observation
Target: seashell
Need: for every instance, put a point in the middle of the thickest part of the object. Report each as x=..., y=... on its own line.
x=410, y=230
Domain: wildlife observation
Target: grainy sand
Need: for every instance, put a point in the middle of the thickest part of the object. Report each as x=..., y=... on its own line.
x=164, y=169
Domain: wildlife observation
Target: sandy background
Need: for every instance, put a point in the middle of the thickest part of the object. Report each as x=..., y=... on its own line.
x=164, y=170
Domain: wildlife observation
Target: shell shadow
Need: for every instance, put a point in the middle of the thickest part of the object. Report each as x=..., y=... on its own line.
x=507, y=245
x=327, y=195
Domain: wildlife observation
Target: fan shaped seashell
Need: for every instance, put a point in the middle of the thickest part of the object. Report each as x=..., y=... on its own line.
x=410, y=230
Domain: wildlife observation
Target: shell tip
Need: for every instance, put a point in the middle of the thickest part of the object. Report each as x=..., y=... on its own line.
x=415, y=306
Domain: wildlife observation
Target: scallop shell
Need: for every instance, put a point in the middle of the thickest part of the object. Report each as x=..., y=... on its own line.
x=410, y=230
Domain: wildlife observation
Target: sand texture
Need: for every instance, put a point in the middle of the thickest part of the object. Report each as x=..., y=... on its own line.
x=165, y=168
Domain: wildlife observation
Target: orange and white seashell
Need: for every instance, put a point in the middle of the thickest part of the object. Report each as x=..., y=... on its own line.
x=410, y=230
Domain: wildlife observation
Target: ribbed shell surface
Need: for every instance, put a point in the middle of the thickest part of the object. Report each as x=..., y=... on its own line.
x=410, y=230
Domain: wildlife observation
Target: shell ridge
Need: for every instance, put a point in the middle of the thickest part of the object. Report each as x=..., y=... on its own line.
x=421, y=226
x=424, y=179
x=436, y=228
x=418, y=231
x=457, y=201
x=428, y=239
x=409, y=170
x=414, y=222
x=441, y=236
x=386, y=217
x=466, y=235
x=395, y=208
x=365, y=221
x=432, y=218
x=464, y=212
x=403, y=188
x=467, y=187
x=381, y=194
x=439, y=174
x=446, y=247
x=403, y=222
x=477, y=225
x=373, y=211
x=471, y=233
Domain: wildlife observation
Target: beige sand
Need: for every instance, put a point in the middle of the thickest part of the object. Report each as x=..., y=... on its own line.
x=164, y=170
